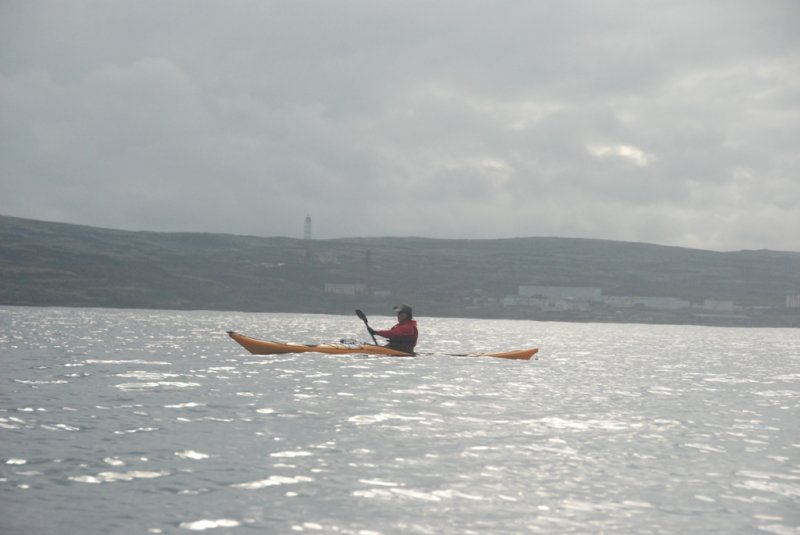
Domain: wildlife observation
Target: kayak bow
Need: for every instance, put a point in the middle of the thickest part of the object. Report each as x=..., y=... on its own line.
x=265, y=347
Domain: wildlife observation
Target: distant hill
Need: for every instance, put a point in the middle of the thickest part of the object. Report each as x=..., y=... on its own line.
x=54, y=264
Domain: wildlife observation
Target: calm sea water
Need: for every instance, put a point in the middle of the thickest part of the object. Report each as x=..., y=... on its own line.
x=119, y=421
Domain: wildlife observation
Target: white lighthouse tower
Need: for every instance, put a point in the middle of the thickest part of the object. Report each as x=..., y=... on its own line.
x=307, y=229
x=307, y=237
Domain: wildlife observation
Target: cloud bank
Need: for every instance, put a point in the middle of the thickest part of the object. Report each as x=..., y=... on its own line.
x=666, y=122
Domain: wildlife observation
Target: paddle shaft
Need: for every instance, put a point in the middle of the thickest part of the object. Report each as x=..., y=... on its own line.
x=360, y=314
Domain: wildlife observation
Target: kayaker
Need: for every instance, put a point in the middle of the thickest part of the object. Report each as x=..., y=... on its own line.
x=403, y=336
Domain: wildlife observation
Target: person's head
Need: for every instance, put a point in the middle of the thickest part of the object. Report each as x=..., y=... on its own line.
x=403, y=312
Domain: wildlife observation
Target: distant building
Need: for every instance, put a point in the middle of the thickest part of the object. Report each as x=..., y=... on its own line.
x=656, y=303
x=345, y=289
x=328, y=258
x=563, y=293
x=554, y=298
x=718, y=306
x=517, y=301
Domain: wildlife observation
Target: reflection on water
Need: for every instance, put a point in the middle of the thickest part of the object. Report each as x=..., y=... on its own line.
x=156, y=422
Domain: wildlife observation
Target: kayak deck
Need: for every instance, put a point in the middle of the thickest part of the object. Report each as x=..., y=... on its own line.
x=266, y=347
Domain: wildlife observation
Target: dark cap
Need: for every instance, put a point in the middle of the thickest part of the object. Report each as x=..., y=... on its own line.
x=404, y=308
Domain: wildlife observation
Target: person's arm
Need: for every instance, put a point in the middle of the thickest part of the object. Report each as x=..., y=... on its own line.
x=398, y=331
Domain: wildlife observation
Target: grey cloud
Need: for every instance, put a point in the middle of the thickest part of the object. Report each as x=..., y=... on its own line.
x=670, y=122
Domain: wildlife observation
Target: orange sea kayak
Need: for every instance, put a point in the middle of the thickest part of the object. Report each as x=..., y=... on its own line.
x=264, y=347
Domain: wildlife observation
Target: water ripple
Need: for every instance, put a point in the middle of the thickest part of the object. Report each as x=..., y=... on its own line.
x=114, y=477
x=155, y=422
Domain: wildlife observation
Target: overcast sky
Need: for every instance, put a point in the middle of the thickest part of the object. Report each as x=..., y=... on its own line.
x=671, y=122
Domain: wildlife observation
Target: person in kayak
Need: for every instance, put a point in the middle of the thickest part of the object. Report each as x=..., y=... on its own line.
x=403, y=336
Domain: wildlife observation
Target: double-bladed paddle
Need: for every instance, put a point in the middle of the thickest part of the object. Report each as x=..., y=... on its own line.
x=360, y=314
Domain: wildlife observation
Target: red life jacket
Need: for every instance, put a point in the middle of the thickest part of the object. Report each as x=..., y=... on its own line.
x=402, y=337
